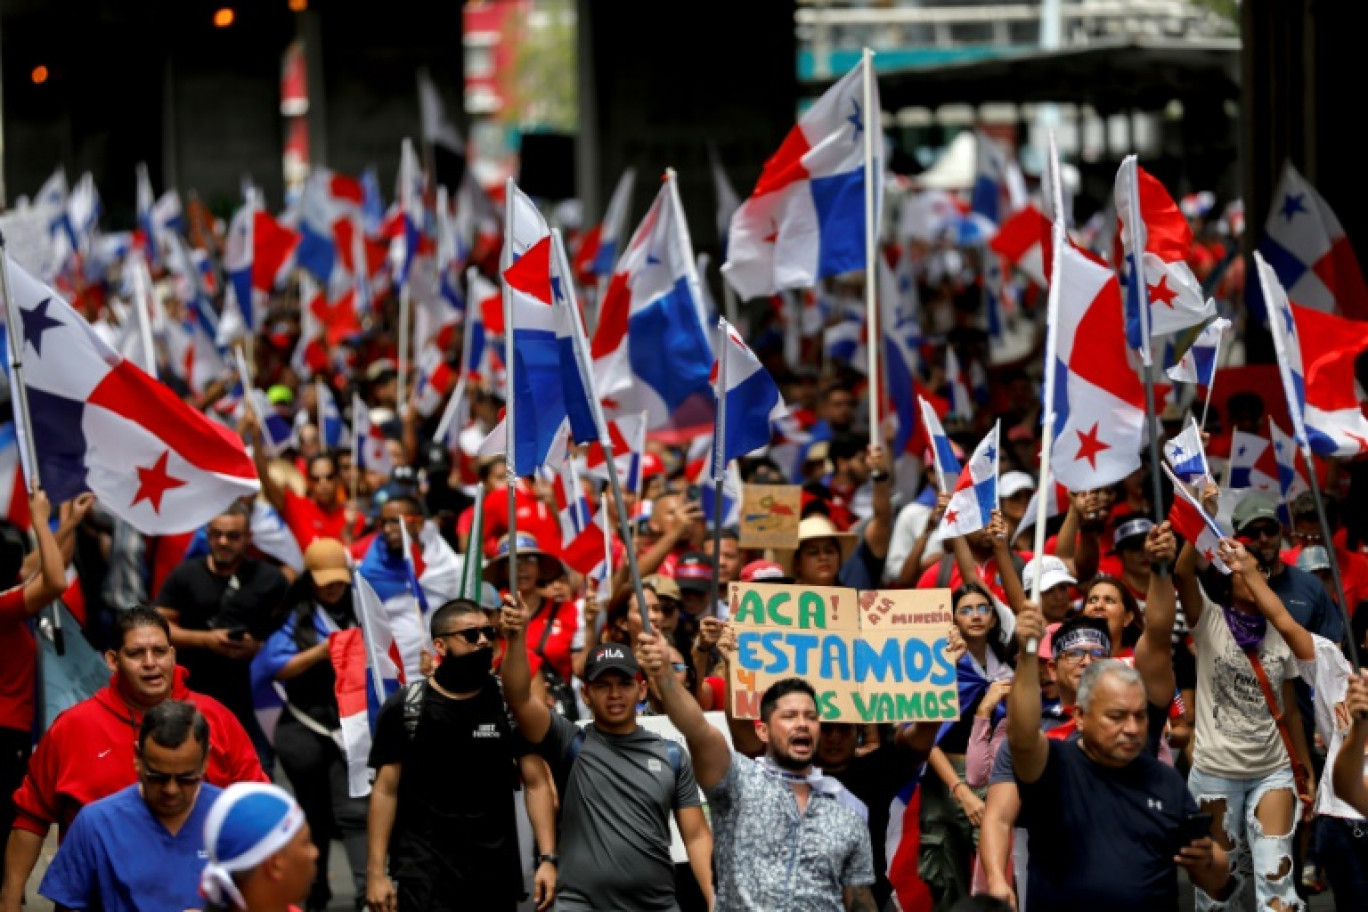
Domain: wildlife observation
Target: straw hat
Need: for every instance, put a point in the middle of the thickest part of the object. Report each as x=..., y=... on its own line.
x=549, y=566
x=813, y=527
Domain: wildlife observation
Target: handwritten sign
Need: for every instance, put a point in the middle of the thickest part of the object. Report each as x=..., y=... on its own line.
x=874, y=656
x=770, y=515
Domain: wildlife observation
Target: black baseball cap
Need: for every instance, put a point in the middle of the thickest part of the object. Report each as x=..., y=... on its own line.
x=694, y=571
x=611, y=657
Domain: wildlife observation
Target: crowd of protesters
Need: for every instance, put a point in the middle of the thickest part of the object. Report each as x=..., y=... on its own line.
x=1147, y=715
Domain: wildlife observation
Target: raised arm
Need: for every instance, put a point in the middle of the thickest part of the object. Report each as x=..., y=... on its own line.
x=1240, y=561
x=51, y=579
x=1024, y=738
x=911, y=569
x=533, y=715
x=1002, y=552
x=880, y=527
x=1349, y=782
x=1154, y=652
x=273, y=493
x=707, y=747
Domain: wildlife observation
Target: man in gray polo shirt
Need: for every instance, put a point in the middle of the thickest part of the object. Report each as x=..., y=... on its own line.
x=787, y=837
x=618, y=784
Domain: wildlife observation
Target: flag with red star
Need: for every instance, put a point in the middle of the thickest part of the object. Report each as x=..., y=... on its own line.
x=1150, y=220
x=102, y=425
x=975, y=496
x=1099, y=401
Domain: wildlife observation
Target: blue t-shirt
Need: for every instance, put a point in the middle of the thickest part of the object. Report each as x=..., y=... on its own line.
x=117, y=856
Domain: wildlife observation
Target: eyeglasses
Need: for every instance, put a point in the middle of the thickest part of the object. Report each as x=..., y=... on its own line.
x=329, y=477
x=1078, y=655
x=156, y=777
x=229, y=535
x=472, y=634
x=969, y=610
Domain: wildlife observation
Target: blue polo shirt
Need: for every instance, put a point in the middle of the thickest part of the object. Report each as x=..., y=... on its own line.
x=117, y=856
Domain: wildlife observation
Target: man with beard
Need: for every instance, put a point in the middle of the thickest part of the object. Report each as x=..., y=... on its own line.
x=446, y=755
x=619, y=784
x=788, y=837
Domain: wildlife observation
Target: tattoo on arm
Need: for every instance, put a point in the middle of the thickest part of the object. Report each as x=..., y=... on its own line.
x=860, y=899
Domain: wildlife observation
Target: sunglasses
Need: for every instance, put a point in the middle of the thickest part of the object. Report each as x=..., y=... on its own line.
x=156, y=777
x=226, y=535
x=1263, y=531
x=329, y=477
x=969, y=610
x=1077, y=655
x=679, y=666
x=472, y=634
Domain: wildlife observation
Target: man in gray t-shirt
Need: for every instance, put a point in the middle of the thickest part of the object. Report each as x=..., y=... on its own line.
x=618, y=783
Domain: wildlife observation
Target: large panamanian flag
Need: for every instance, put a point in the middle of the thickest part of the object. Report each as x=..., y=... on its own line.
x=805, y=218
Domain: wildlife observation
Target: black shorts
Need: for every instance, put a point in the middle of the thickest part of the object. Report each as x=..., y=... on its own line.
x=424, y=895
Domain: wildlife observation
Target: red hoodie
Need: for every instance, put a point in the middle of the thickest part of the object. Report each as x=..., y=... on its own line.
x=88, y=752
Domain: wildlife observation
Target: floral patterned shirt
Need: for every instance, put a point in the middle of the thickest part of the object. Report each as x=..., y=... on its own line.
x=768, y=856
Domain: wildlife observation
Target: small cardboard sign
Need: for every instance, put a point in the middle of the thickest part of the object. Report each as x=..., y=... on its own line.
x=873, y=656
x=770, y=515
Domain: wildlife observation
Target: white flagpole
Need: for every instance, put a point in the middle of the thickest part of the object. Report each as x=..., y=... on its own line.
x=510, y=423
x=1215, y=366
x=1045, y=489
x=719, y=447
x=871, y=126
x=405, y=317
x=142, y=289
x=586, y=372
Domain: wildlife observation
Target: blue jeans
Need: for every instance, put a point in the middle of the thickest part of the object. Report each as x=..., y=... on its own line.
x=1255, y=856
x=1342, y=853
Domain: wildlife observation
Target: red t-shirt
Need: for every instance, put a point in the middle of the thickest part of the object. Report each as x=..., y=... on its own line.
x=308, y=521
x=564, y=620
x=534, y=518
x=988, y=572
x=20, y=653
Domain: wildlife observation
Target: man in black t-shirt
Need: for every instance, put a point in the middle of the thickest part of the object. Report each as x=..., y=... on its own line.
x=440, y=805
x=875, y=778
x=221, y=610
x=1104, y=817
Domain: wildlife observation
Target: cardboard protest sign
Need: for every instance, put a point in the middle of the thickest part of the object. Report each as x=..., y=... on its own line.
x=875, y=656
x=770, y=515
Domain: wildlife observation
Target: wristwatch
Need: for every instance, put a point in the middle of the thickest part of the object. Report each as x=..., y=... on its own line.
x=878, y=475
x=551, y=858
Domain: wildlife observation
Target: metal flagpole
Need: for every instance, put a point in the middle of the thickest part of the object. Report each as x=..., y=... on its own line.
x=582, y=362
x=871, y=125
x=510, y=425
x=1141, y=292
x=1045, y=489
x=719, y=469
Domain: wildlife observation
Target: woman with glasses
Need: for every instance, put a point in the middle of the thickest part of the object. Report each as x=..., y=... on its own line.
x=1241, y=769
x=296, y=657
x=950, y=806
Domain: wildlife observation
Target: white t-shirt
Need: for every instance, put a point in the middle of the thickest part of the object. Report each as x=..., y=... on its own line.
x=1329, y=676
x=907, y=528
x=1236, y=737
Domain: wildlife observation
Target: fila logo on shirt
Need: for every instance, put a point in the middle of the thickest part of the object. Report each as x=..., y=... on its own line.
x=487, y=730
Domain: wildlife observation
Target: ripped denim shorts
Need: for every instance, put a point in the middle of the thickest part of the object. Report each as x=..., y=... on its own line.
x=1256, y=858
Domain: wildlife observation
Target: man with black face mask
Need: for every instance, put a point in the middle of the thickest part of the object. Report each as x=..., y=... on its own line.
x=446, y=754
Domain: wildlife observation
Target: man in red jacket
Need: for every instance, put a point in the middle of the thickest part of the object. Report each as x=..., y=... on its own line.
x=87, y=753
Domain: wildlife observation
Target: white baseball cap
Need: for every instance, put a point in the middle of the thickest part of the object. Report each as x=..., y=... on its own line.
x=1055, y=572
x=1014, y=483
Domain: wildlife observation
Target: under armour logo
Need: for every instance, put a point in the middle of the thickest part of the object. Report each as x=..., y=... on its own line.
x=1155, y=804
